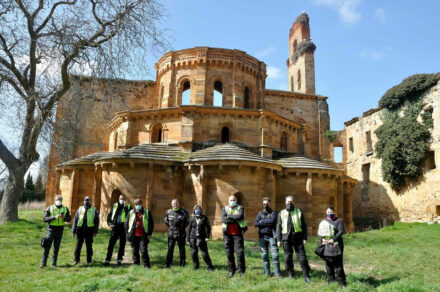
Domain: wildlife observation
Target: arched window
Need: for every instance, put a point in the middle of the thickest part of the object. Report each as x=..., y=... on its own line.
x=247, y=98
x=283, y=141
x=186, y=93
x=156, y=134
x=299, y=79
x=225, y=135
x=295, y=44
x=218, y=93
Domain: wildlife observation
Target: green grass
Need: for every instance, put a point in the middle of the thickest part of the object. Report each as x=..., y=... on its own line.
x=402, y=257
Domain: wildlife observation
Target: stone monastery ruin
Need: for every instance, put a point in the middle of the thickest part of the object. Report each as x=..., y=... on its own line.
x=143, y=139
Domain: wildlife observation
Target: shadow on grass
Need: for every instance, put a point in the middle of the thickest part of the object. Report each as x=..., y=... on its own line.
x=371, y=281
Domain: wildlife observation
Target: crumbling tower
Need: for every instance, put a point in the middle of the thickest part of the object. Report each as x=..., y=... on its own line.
x=301, y=62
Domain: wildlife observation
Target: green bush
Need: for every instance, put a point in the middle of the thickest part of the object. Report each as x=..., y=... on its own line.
x=403, y=143
x=409, y=89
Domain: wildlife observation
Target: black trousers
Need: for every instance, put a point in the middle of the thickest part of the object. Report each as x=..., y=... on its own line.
x=335, y=266
x=234, y=243
x=295, y=243
x=171, y=243
x=140, y=243
x=196, y=244
x=55, y=236
x=80, y=238
x=118, y=232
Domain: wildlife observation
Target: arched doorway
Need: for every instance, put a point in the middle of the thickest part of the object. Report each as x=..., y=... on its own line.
x=156, y=134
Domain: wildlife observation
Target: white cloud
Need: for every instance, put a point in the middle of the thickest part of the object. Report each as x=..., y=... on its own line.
x=274, y=72
x=375, y=54
x=266, y=52
x=347, y=9
x=380, y=15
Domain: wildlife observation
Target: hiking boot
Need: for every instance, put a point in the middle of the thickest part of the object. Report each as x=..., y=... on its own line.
x=231, y=274
x=75, y=263
x=119, y=263
x=106, y=263
x=307, y=279
x=42, y=266
x=277, y=277
x=182, y=263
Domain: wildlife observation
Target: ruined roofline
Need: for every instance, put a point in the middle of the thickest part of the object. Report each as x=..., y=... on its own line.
x=286, y=93
x=89, y=78
x=364, y=114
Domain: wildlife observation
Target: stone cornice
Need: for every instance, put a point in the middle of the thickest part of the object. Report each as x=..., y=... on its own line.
x=292, y=94
x=206, y=55
x=178, y=111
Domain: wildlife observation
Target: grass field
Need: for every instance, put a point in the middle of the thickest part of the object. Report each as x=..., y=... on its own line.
x=402, y=257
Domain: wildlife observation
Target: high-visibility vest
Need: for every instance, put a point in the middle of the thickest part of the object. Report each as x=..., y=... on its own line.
x=296, y=220
x=233, y=211
x=54, y=210
x=123, y=215
x=132, y=220
x=326, y=230
x=90, y=216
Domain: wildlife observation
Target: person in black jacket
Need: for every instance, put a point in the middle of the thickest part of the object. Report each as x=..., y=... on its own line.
x=330, y=233
x=266, y=222
x=234, y=227
x=85, y=227
x=55, y=216
x=292, y=232
x=199, y=232
x=139, y=227
x=116, y=219
x=176, y=219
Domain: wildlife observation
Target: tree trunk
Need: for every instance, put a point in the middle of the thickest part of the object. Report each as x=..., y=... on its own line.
x=11, y=197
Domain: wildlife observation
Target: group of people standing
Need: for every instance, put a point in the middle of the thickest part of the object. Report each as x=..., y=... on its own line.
x=135, y=224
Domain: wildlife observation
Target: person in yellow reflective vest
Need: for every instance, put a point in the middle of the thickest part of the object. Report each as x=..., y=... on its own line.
x=330, y=233
x=234, y=226
x=85, y=227
x=292, y=232
x=116, y=219
x=139, y=227
x=55, y=216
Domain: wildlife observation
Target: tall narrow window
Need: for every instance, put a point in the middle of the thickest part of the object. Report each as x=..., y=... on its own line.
x=369, y=141
x=156, y=134
x=283, y=141
x=247, y=97
x=161, y=98
x=430, y=160
x=291, y=83
x=218, y=93
x=186, y=93
x=225, y=135
x=366, y=173
x=299, y=79
x=295, y=44
x=337, y=154
x=350, y=144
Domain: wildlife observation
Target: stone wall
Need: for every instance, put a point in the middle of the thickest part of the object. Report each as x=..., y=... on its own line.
x=372, y=196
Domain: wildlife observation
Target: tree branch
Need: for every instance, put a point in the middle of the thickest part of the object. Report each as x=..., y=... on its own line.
x=7, y=157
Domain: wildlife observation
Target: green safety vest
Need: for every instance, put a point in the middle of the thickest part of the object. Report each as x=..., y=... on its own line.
x=132, y=220
x=123, y=216
x=326, y=230
x=90, y=216
x=296, y=220
x=230, y=211
x=54, y=210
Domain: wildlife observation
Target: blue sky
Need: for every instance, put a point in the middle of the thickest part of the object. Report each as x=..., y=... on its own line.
x=363, y=47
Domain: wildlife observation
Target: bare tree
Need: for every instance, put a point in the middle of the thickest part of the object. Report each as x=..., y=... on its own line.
x=41, y=44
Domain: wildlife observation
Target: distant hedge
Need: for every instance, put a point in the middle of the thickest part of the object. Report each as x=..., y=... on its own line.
x=409, y=89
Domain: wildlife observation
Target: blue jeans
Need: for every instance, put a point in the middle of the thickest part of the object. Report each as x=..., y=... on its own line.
x=266, y=243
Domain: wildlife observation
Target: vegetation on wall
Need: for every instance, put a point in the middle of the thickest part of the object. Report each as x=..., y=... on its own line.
x=409, y=89
x=404, y=136
x=331, y=135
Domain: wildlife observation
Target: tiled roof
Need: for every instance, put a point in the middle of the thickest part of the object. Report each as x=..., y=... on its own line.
x=299, y=161
x=219, y=152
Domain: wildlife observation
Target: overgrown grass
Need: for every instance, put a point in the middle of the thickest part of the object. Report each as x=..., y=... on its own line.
x=402, y=257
